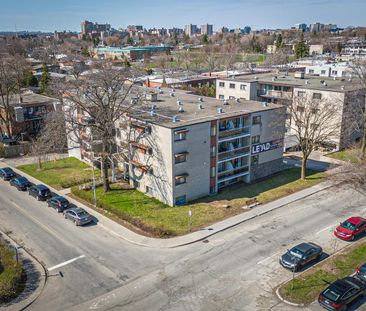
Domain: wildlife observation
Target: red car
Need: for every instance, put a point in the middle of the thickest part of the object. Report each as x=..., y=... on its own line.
x=351, y=228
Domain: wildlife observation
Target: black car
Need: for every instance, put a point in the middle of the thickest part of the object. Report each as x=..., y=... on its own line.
x=21, y=183
x=340, y=294
x=7, y=173
x=300, y=255
x=361, y=273
x=59, y=203
x=41, y=192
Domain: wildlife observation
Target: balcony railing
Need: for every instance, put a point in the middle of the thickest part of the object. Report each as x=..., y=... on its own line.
x=232, y=153
x=275, y=94
x=142, y=147
x=236, y=172
x=232, y=133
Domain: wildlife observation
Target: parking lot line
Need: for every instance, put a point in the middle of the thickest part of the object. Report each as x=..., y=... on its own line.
x=65, y=263
x=269, y=257
x=324, y=229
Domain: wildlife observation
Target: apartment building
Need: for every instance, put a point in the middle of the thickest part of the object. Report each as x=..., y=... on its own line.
x=281, y=87
x=28, y=112
x=183, y=147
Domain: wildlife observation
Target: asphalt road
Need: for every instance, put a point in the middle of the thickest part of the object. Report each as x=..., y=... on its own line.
x=234, y=270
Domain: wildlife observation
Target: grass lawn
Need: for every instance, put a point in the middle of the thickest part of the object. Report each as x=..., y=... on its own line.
x=62, y=173
x=158, y=219
x=306, y=288
x=345, y=155
x=11, y=274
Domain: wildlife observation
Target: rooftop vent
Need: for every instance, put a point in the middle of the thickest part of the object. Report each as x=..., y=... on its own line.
x=152, y=113
x=200, y=99
x=255, y=78
x=334, y=78
x=342, y=87
x=153, y=107
x=274, y=78
x=237, y=100
x=264, y=104
x=225, y=102
x=175, y=119
x=153, y=97
x=325, y=84
x=306, y=81
x=172, y=94
x=200, y=107
x=179, y=102
x=173, y=90
x=219, y=110
x=161, y=92
x=181, y=109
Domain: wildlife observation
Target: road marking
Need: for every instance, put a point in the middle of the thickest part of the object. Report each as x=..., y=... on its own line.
x=65, y=263
x=324, y=229
x=363, y=210
x=269, y=257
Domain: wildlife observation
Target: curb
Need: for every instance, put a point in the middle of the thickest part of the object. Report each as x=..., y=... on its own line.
x=301, y=305
x=39, y=290
x=170, y=244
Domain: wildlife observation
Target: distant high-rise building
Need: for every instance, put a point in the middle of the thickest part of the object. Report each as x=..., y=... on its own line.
x=316, y=27
x=190, y=30
x=302, y=27
x=224, y=30
x=90, y=27
x=207, y=30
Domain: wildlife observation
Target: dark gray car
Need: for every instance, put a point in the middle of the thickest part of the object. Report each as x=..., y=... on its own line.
x=78, y=215
x=300, y=255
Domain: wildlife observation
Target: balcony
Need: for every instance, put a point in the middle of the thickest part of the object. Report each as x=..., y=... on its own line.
x=139, y=166
x=275, y=94
x=145, y=149
x=241, y=151
x=234, y=173
x=234, y=133
x=139, y=127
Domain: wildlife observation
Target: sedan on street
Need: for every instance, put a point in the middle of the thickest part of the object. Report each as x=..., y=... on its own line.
x=351, y=228
x=40, y=192
x=78, y=215
x=340, y=294
x=7, y=173
x=21, y=183
x=59, y=203
x=300, y=255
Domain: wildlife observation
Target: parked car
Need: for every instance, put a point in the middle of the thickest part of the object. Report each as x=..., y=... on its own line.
x=361, y=273
x=21, y=183
x=40, y=192
x=300, y=255
x=351, y=228
x=59, y=203
x=340, y=294
x=7, y=173
x=78, y=215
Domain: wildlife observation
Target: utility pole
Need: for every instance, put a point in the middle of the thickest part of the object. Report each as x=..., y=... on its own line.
x=94, y=186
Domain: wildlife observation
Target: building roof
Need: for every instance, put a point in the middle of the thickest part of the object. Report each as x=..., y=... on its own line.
x=308, y=82
x=31, y=99
x=167, y=108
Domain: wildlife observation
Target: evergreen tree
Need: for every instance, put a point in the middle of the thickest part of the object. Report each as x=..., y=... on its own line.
x=30, y=79
x=301, y=49
x=205, y=39
x=45, y=78
x=279, y=41
x=130, y=41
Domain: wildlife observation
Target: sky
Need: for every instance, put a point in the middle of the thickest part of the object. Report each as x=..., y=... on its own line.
x=51, y=15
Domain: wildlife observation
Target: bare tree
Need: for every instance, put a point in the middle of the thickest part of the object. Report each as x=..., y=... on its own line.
x=228, y=56
x=51, y=138
x=211, y=57
x=94, y=104
x=314, y=122
x=278, y=58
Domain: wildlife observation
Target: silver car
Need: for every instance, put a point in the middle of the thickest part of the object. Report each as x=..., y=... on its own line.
x=78, y=215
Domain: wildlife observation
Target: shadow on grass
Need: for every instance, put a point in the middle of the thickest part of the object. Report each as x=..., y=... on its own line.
x=244, y=190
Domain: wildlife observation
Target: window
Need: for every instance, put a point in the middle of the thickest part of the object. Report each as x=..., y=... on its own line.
x=222, y=97
x=232, y=85
x=180, y=135
x=317, y=96
x=231, y=97
x=213, y=130
x=301, y=93
x=255, y=159
x=180, y=180
x=242, y=87
x=334, y=72
x=323, y=72
x=213, y=171
x=180, y=157
x=213, y=151
x=300, y=109
x=181, y=200
x=311, y=71
x=257, y=120
x=221, y=84
x=149, y=190
x=256, y=139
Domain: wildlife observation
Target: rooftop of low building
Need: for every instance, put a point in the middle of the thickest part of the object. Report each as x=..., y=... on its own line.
x=29, y=98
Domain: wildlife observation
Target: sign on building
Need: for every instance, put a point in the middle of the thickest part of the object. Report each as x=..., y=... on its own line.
x=263, y=147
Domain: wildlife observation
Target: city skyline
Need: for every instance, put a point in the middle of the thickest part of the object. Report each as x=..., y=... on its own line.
x=46, y=16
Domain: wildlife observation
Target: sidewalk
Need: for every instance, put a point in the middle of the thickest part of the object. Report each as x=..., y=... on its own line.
x=36, y=279
x=119, y=231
